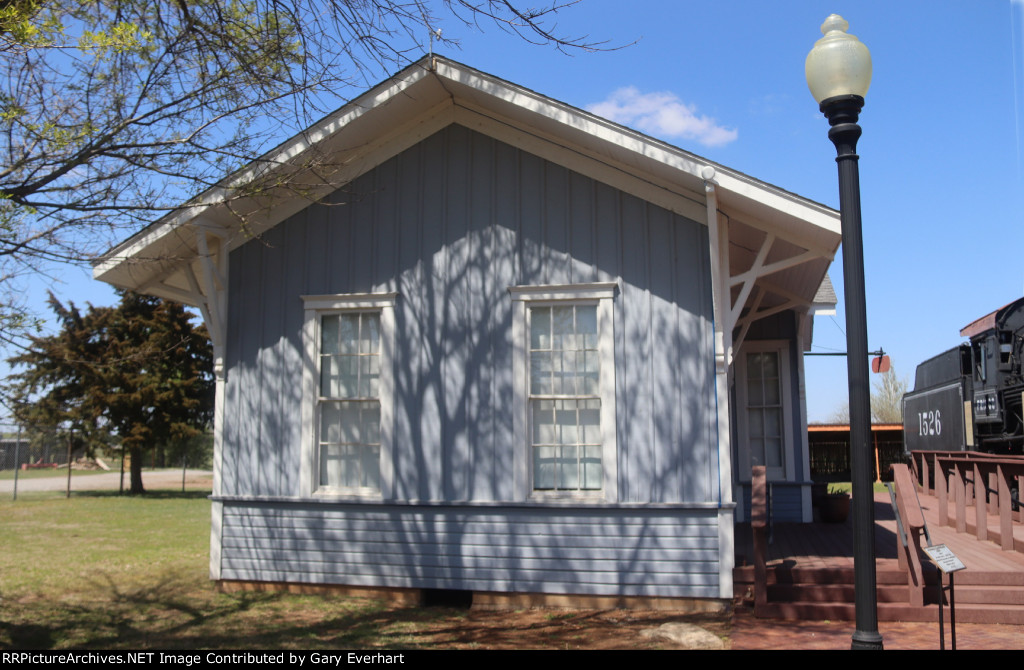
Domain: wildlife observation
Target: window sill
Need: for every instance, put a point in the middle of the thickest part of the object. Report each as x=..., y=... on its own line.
x=583, y=497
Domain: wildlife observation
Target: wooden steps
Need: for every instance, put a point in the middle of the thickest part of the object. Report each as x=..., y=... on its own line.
x=809, y=571
x=828, y=594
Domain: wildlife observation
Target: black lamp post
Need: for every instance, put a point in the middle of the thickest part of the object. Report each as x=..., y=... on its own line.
x=838, y=71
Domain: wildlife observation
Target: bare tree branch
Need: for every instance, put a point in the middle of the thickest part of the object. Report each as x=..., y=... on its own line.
x=115, y=111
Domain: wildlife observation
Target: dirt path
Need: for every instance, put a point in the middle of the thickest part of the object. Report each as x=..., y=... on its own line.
x=107, y=481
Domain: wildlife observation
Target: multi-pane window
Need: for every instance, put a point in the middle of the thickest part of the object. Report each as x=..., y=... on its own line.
x=764, y=402
x=565, y=400
x=349, y=404
x=564, y=397
x=347, y=389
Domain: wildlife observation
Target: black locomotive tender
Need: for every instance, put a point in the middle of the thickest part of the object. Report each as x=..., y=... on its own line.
x=970, y=397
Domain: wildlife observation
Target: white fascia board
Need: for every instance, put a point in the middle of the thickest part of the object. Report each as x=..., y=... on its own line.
x=327, y=128
x=282, y=154
x=630, y=147
x=788, y=204
x=149, y=237
x=174, y=238
x=352, y=164
x=627, y=148
x=484, y=89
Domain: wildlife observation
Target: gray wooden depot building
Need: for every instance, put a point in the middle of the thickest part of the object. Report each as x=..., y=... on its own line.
x=486, y=341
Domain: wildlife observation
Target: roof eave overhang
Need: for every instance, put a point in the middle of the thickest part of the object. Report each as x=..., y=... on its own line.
x=755, y=200
x=420, y=100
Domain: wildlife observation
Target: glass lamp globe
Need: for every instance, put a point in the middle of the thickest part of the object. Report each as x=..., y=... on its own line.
x=839, y=64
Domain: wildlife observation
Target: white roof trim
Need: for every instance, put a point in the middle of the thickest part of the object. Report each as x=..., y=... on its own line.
x=418, y=90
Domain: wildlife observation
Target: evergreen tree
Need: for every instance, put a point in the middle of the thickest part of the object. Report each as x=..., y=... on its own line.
x=139, y=371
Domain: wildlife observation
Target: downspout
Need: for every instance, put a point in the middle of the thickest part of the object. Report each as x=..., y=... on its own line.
x=723, y=354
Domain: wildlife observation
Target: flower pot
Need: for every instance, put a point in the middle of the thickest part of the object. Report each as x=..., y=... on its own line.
x=835, y=507
x=818, y=493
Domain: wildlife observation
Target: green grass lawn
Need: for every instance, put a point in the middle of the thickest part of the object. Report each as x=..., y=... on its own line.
x=846, y=487
x=102, y=571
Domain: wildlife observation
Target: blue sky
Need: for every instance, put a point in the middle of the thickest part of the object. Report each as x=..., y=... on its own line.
x=942, y=154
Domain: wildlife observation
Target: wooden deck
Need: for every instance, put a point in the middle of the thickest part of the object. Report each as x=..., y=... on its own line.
x=811, y=570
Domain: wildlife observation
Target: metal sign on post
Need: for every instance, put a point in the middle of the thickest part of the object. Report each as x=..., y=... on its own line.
x=944, y=559
x=947, y=563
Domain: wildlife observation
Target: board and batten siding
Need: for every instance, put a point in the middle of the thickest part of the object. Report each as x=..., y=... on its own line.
x=450, y=224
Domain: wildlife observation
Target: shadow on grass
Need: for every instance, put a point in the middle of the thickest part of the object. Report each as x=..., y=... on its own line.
x=175, y=613
x=180, y=611
x=155, y=494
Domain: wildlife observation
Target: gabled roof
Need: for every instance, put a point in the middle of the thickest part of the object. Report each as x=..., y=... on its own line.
x=825, y=299
x=165, y=258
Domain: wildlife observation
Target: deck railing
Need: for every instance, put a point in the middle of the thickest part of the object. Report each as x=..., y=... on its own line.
x=759, y=526
x=988, y=483
x=910, y=524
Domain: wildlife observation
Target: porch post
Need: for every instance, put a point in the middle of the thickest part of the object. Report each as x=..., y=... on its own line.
x=717, y=236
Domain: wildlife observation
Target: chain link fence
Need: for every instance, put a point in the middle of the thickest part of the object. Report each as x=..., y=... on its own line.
x=35, y=452
x=31, y=448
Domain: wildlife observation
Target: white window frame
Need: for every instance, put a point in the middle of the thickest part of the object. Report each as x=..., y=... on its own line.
x=780, y=347
x=316, y=307
x=524, y=298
